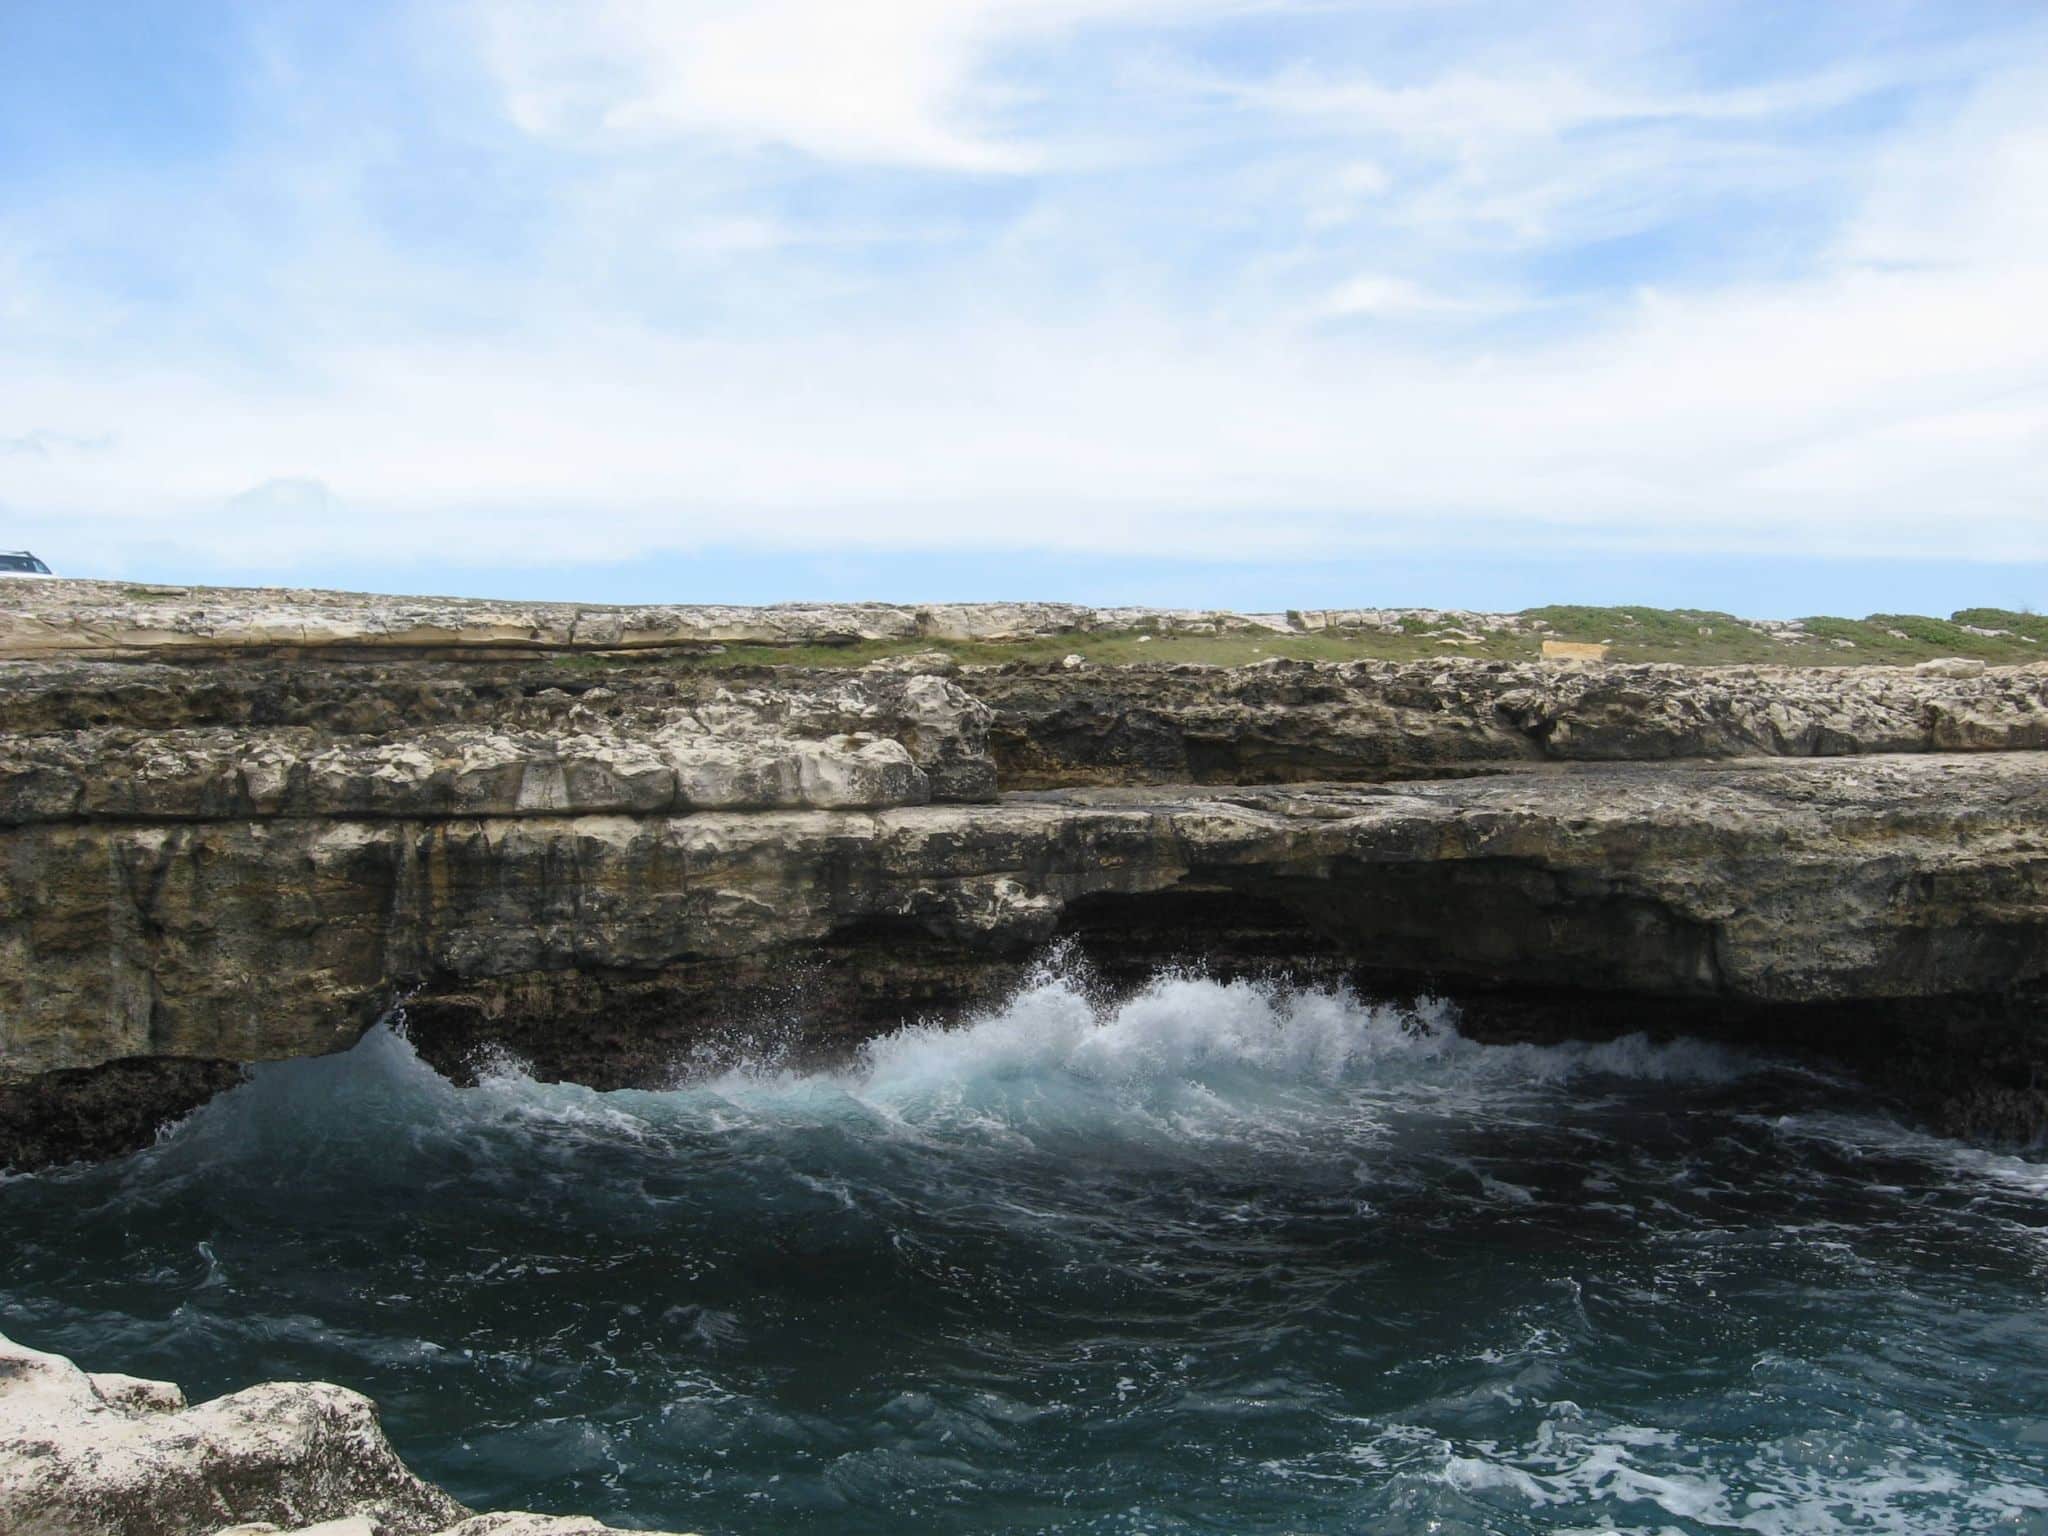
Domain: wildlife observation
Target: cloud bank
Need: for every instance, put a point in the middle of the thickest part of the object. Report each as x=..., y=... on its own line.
x=1216, y=281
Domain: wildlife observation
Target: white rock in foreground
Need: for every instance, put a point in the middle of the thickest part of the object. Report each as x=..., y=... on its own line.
x=107, y=1455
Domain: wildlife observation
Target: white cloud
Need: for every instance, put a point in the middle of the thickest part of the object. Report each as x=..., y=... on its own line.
x=1964, y=190
x=1376, y=293
x=1873, y=411
x=1341, y=197
x=1530, y=151
x=1074, y=375
x=852, y=82
x=48, y=445
x=1474, y=113
x=890, y=82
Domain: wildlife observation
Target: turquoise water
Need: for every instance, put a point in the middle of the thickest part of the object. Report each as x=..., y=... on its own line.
x=1216, y=1259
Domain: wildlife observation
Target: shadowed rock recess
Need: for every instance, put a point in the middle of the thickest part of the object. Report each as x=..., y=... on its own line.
x=241, y=826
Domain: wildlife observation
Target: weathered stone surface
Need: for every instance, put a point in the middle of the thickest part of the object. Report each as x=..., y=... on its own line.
x=609, y=865
x=85, y=618
x=1282, y=721
x=80, y=1459
x=830, y=741
x=153, y=742
x=106, y=618
x=111, y=1455
x=1767, y=881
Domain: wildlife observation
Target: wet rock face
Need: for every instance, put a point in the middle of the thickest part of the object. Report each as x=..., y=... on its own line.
x=1760, y=882
x=108, y=1455
x=102, y=1110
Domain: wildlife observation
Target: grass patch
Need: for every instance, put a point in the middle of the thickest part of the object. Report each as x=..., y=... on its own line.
x=1701, y=636
x=2033, y=626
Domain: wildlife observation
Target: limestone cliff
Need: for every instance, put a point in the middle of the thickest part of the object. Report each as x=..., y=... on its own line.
x=1278, y=722
x=255, y=851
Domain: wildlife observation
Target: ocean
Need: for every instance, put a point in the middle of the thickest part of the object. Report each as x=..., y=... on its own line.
x=1210, y=1258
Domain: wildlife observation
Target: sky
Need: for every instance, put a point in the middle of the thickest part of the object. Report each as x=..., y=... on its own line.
x=1257, y=303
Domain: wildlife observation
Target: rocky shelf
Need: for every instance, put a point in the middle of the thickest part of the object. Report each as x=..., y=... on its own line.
x=104, y=618
x=51, y=617
x=102, y=1454
x=247, y=834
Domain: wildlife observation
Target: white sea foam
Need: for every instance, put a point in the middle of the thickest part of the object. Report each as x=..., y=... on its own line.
x=1193, y=1030
x=1613, y=1474
x=1184, y=1058
x=1179, y=1027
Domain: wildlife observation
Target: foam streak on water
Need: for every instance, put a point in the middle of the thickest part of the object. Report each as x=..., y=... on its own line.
x=1218, y=1258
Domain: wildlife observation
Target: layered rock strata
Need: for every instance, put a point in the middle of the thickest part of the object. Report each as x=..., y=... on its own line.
x=98, y=744
x=104, y=618
x=1279, y=721
x=616, y=868
x=50, y=617
x=199, y=741
x=608, y=946
x=86, y=1454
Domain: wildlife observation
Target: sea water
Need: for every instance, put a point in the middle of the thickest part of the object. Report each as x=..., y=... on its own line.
x=1215, y=1258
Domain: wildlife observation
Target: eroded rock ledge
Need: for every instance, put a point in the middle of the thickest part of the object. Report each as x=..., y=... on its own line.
x=109, y=1455
x=1280, y=722
x=609, y=947
x=616, y=869
x=144, y=741
x=108, y=618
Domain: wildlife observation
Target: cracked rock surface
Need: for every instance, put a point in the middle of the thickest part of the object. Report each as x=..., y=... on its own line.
x=1287, y=721
x=1759, y=881
x=85, y=1454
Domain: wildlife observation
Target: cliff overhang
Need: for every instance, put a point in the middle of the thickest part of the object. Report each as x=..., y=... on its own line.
x=621, y=872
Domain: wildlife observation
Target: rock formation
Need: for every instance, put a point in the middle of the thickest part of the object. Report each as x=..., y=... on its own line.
x=1279, y=722
x=106, y=1455
x=615, y=869
x=104, y=618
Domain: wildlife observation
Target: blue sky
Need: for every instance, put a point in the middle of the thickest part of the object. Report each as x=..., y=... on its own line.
x=1260, y=303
